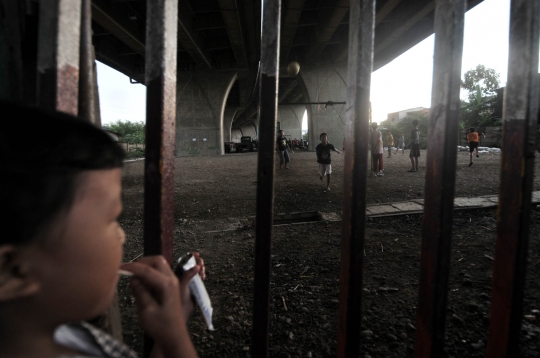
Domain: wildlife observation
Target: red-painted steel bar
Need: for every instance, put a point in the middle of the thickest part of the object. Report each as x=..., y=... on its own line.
x=517, y=166
x=360, y=66
x=440, y=178
x=268, y=101
x=160, y=77
x=58, y=55
x=161, y=42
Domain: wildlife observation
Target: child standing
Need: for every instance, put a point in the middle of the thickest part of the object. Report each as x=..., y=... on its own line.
x=324, y=150
x=415, y=147
x=401, y=144
x=473, y=138
x=377, y=151
x=282, y=147
x=60, y=260
x=389, y=143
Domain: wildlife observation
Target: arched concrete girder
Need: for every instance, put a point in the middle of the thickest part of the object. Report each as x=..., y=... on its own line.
x=290, y=118
x=228, y=118
x=323, y=84
x=223, y=122
x=201, y=100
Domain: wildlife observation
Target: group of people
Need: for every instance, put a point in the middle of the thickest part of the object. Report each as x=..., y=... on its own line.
x=377, y=148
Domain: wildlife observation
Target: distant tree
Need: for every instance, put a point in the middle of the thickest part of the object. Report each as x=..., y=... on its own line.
x=130, y=132
x=485, y=78
x=477, y=111
x=305, y=136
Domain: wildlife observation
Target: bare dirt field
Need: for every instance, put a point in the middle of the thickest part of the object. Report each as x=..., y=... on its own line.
x=214, y=196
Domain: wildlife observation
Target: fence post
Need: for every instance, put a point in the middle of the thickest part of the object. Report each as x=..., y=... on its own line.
x=440, y=178
x=58, y=55
x=160, y=77
x=517, y=167
x=268, y=100
x=360, y=65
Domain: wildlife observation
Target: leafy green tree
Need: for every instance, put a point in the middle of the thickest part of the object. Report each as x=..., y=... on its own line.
x=477, y=111
x=484, y=78
x=130, y=132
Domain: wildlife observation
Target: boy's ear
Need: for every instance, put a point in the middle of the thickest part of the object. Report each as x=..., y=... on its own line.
x=15, y=283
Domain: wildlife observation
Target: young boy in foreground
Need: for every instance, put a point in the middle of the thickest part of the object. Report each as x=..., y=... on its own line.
x=323, y=158
x=62, y=245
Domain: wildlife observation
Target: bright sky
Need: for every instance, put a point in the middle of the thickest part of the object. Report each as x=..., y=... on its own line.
x=402, y=84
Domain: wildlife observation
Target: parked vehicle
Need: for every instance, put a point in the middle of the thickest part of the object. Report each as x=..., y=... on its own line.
x=230, y=147
x=247, y=143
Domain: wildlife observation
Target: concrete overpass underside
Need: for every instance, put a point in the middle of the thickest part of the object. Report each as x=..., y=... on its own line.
x=218, y=57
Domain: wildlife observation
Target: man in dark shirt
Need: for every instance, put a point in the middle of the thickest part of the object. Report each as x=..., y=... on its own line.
x=282, y=147
x=323, y=158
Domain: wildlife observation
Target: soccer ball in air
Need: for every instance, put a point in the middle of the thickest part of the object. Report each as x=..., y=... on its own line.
x=293, y=68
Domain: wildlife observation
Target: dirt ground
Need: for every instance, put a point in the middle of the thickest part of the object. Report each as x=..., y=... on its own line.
x=212, y=193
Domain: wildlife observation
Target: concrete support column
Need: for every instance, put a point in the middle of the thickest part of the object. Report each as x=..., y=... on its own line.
x=324, y=84
x=200, y=122
x=290, y=120
x=228, y=118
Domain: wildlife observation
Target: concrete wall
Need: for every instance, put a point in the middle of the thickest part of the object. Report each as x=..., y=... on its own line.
x=236, y=135
x=290, y=119
x=323, y=84
x=200, y=117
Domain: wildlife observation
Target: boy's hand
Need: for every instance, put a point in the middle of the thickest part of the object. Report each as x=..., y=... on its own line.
x=187, y=302
x=159, y=304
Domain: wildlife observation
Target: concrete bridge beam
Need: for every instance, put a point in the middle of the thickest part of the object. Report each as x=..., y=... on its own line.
x=325, y=84
x=290, y=119
x=201, y=119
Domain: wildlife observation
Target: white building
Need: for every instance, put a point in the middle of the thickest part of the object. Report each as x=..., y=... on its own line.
x=396, y=117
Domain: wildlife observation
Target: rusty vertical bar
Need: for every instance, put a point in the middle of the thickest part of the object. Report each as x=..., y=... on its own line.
x=160, y=77
x=360, y=66
x=268, y=101
x=86, y=69
x=161, y=42
x=517, y=166
x=440, y=178
x=58, y=55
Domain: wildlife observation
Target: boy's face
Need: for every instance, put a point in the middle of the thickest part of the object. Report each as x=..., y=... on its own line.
x=77, y=263
x=324, y=139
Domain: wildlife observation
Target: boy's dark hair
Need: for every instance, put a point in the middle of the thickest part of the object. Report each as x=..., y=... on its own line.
x=42, y=154
x=320, y=137
x=280, y=131
x=471, y=129
x=415, y=122
x=374, y=125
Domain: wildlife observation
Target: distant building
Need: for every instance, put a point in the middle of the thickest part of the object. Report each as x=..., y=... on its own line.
x=396, y=117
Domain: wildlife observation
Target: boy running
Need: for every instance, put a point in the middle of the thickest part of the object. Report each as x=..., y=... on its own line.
x=473, y=137
x=323, y=158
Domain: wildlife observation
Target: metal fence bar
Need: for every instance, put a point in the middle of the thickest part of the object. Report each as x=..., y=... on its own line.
x=87, y=106
x=161, y=42
x=517, y=166
x=58, y=55
x=268, y=100
x=160, y=77
x=360, y=65
x=440, y=178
